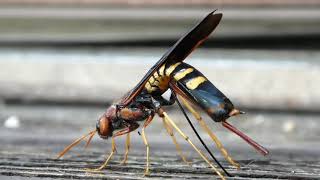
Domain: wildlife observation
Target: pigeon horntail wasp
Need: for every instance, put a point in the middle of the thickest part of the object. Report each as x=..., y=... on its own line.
x=145, y=101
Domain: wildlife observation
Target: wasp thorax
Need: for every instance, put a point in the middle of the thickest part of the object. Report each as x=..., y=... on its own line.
x=104, y=125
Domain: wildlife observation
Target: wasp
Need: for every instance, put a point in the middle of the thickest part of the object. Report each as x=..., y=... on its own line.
x=186, y=83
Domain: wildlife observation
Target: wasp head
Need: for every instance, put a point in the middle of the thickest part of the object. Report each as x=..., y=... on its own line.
x=104, y=125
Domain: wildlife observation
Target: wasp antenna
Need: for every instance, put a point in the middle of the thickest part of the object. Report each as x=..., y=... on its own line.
x=254, y=144
x=89, y=140
x=74, y=143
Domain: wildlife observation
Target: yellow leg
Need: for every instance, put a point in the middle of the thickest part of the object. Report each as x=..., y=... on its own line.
x=178, y=148
x=113, y=150
x=167, y=118
x=147, y=172
x=124, y=161
x=209, y=132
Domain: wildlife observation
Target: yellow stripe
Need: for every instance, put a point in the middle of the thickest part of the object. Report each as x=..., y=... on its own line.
x=149, y=88
x=156, y=75
x=151, y=80
x=161, y=70
x=182, y=74
x=195, y=82
x=171, y=68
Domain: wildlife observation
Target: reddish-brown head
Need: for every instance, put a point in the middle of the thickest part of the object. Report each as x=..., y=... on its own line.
x=104, y=125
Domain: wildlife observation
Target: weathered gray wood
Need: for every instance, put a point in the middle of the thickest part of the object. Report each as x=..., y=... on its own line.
x=123, y=24
x=33, y=165
x=29, y=150
x=165, y=3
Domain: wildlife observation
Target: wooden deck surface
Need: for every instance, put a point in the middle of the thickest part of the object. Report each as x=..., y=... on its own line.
x=29, y=149
x=41, y=88
x=40, y=165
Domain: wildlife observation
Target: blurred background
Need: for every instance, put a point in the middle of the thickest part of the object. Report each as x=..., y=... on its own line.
x=62, y=62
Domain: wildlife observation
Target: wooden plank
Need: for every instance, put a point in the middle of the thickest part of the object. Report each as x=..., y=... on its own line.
x=166, y=2
x=29, y=150
x=27, y=165
x=119, y=24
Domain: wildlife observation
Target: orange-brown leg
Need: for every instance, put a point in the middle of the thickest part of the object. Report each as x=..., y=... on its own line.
x=113, y=150
x=132, y=127
x=124, y=161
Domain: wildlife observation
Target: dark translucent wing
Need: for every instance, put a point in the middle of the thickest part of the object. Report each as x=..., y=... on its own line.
x=191, y=40
x=179, y=51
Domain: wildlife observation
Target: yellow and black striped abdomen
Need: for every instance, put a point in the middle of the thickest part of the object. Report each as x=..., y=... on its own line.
x=194, y=85
x=159, y=81
x=188, y=75
x=201, y=91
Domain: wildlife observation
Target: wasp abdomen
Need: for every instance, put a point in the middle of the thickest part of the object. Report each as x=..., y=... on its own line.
x=159, y=81
x=188, y=75
x=199, y=89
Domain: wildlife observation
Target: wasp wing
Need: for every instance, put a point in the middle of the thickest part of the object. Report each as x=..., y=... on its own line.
x=179, y=51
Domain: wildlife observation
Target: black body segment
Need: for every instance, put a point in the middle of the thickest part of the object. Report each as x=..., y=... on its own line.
x=202, y=92
x=178, y=52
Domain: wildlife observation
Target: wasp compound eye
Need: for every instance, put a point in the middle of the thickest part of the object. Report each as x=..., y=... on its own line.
x=104, y=127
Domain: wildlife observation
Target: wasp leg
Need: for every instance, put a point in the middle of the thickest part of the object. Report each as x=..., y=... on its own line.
x=133, y=126
x=124, y=161
x=168, y=119
x=178, y=148
x=113, y=150
x=210, y=133
x=145, y=141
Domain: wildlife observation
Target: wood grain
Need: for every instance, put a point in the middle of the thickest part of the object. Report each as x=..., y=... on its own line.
x=30, y=149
